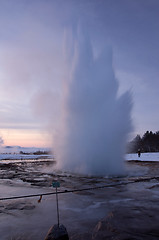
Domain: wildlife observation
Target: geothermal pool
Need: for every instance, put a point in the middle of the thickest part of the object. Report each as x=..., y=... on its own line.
x=128, y=210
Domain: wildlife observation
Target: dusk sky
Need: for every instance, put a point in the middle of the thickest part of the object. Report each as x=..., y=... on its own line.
x=33, y=67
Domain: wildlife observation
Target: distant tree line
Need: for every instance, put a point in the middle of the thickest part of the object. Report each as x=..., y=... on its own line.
x=36, y=153
x=149, y=142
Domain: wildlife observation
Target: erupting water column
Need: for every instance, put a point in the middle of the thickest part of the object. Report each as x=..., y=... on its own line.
x=95, y=122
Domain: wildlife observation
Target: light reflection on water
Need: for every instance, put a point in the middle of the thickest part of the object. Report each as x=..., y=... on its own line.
x=28, y=219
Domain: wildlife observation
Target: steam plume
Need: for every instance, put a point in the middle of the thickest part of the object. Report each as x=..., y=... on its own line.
x=95, y=122
x=1, y=143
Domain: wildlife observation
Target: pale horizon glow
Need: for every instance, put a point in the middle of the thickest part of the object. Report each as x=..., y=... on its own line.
x=25, y=138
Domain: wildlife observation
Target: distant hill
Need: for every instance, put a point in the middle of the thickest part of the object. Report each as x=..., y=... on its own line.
x=149, y=142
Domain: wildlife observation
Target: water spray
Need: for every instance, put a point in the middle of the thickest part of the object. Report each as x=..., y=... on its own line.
x=95, y=121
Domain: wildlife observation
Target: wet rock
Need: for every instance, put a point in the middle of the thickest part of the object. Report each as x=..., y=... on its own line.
x=88, y=193
x=57, y=233
x=27, y=207
x=126, y=223
x=19, y=206
x=104, y=229
x=85, y=236
x=156, y=186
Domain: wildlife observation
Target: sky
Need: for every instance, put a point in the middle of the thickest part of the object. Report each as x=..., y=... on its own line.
x=33, y=65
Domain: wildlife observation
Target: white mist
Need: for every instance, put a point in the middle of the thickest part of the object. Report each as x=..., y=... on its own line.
x=95, y=122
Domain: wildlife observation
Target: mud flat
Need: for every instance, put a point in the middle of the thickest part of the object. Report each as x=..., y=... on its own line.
x=126, y=209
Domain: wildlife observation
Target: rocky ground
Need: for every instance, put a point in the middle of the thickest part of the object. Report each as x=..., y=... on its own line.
x=126, y=209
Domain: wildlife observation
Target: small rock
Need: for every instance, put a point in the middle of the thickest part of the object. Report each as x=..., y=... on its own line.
x=57, y=233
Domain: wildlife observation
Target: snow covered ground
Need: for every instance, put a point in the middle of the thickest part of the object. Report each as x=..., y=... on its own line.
x=154, y=157
x=17, y=156
x=14, y=153
x=18, y=149
x=21, y=153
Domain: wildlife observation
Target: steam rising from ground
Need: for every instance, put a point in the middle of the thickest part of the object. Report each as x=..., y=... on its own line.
x=1, y=141
x=95, y=122
x=87, y=120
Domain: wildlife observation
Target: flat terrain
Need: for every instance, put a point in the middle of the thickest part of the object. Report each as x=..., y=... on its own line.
x=127, y=209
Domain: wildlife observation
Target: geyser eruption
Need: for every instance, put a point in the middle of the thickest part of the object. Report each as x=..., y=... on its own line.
x=95, y=122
